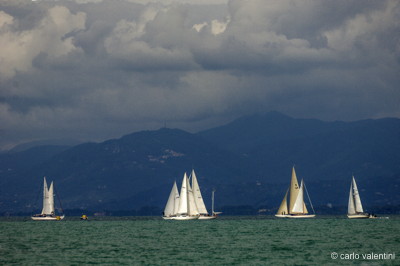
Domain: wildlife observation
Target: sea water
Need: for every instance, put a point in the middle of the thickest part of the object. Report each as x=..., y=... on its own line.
x=246, y=240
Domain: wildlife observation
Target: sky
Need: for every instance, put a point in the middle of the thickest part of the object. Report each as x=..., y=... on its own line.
x=91, y=70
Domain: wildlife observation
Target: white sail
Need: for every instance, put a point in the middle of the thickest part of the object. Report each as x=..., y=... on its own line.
x=177, y=199
x=357, y=200
x=192, y=208
x=48, y=211
x=298, y=207
x=351, y=209
x=48, y=198
x=51, y=198
x=294, y=190
x=172, y=205
x=198, y=199
x=183, y=196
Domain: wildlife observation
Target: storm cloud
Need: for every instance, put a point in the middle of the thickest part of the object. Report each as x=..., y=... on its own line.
x=91, y=70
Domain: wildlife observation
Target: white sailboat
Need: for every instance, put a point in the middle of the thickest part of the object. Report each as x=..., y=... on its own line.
x=297, y=207
x=201, y=207
x=355, y=209
x=187, y=209
x=48, y=211
x=171, y=208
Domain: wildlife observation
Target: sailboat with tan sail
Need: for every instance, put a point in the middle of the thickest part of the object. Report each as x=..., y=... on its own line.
x=296, y=208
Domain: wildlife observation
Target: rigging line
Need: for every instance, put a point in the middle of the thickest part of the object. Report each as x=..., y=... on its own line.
x=190, y=176
x=309, y=198
x=38, y=194
x=59, y=200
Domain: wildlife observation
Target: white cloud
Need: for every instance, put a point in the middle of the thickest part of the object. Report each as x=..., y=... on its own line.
x=94, y=70
x=19, y=48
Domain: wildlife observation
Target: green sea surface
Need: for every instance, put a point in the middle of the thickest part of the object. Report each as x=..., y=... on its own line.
x=244, y=240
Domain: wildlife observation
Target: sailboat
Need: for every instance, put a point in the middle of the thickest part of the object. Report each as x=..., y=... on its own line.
x=355, y=208
x=48, y=211
x=187, y=209
x=201, y=207
x=297, y=207
x=171, y=208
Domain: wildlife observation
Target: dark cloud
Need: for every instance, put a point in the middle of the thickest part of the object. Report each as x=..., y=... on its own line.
x=98, y=69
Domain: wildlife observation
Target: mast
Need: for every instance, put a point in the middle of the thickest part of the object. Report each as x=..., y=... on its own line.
x=212, y=202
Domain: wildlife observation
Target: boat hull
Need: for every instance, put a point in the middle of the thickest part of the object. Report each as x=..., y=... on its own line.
x=47, y=218
x=281, y=215
x=168, y=217
x=358, y=216
x=301, y=216
x=184, y=218
x=207, y=217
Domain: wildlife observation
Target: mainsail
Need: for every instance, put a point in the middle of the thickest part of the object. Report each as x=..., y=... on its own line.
x=187, y=206
x=183, y=197
x=294, y=190
x=48, y=198
x=192, y=210
x=351, y=208
x=355, y=205
x=173, y=202
x=198, y=199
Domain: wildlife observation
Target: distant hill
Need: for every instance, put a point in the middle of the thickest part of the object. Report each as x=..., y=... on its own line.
x=49, y=142
x=326, y=154
x=127, y=173
x=247, y=161
x=322, y=150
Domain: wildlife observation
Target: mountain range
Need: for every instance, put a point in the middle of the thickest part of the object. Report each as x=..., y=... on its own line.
x=248, y=162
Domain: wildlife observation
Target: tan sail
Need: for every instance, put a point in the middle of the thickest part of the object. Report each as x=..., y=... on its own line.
x=305, y=209
x=283, y=207
x=294, y=190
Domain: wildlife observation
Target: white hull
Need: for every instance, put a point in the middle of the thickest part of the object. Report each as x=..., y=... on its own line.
x=204, y=217
x=281, y=215
x=184, y=218
x=301, y=216
x=168, y=217
x=358, y=216
x=48, y=218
